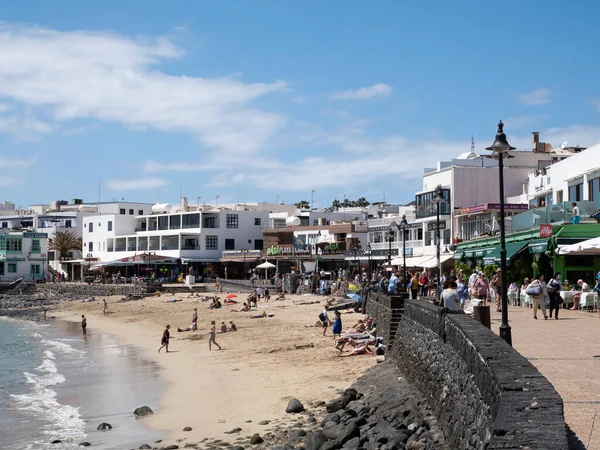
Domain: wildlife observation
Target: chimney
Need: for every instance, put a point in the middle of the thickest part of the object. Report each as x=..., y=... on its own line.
x=536, y=139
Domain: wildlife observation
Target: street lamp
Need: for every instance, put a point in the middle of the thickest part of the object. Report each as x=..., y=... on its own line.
x=500, y=147
x=403, y=227
x=390, y=238
x=368, y=253
x=438, y=199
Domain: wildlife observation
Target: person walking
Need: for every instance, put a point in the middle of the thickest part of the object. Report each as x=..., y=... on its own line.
x=105, y=307
x=496, y=285
x=84, y=324
x=576, y=215
x=337, y=324
x=537, y=291
x=164, y=341
x=554, y=287
x=414, y=286
x=481, y=287
x=212, y=335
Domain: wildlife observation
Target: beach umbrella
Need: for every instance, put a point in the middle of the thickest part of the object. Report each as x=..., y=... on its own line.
x=231, y=296
x=266, y=265
x=352, y=287
x=356, y=297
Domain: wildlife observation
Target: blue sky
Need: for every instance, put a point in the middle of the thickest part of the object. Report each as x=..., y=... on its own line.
x=268, y=100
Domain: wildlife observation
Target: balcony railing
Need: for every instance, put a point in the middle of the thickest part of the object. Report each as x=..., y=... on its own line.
x=190, y=247
x=556, y=214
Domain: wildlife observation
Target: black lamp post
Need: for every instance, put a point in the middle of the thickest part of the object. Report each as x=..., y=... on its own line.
x=368, y=253
x=500, y=147
x=438, y=199
x=403, y=227
x=390, y=237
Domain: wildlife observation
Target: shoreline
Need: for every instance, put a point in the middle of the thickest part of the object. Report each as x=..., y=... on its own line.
x=262, y=366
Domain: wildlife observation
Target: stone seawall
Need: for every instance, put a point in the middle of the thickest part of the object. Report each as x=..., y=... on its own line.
x=386, y=311
x=484, y=393
x=93, y=290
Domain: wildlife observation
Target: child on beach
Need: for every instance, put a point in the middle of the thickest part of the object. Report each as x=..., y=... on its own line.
x=337, y=325
x=212, y=335
x=324, y=320
x=165, y=339
x=223, y=327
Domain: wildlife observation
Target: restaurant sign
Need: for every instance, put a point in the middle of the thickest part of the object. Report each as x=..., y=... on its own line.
x=493, y=206
x=242, y=254
x=35, y=235
x=546, y=230
x=278, y=250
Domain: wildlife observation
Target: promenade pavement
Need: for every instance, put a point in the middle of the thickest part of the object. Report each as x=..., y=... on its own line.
x=567, y=353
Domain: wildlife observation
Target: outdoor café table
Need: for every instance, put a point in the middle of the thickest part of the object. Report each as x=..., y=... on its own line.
x=588, y=299
x=567, y=296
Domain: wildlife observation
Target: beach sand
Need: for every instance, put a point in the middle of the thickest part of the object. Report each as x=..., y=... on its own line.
x=262, y=365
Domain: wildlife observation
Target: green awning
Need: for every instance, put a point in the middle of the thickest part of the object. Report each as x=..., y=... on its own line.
x=538, y=246
x=459, y=255
x=512, y=250
x=469, y=254
x=481, y=252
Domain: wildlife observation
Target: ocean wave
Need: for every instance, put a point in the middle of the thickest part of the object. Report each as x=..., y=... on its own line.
x=66, y=423
x=63, y=348
x=48, y=354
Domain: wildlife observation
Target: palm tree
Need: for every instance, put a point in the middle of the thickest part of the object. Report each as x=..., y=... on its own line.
x=65, y=241
x=303, y=204
x=362, y=202
x=336, y=204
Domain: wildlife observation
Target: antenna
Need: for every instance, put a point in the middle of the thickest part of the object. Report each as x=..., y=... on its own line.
x=563, y=145
x=472, y=144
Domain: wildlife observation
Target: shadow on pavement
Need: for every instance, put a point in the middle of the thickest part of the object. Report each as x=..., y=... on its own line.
x=574, y=442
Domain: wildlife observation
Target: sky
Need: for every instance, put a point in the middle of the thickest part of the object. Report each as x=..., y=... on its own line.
x=272, y=100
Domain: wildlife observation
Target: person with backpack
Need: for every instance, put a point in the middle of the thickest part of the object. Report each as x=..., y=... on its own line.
x=554, y=287
x=536, y=290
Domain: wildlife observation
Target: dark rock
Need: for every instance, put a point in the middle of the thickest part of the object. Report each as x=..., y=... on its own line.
x=233, y=431
x=319, y=403
x=298, y=425
x=359, y=421
x=264, y=422
x=353, y=443
x=312, y=419
x=349, y=432
x=144, y=447
x=337, y=404
x=158, y=442
x=357, y=407
x=143, y=411
x=329, y=425
x=256, y=439
x=170, y=447
x=84, y=444
x=331, y=417
x=56, y=441
x=314, y=441
x=294, y=406
x=187, y=429
x=330, y=445
x=332, y=433
x=104, y=427
x=351, y=393
x=297, y=434
x=236, y=447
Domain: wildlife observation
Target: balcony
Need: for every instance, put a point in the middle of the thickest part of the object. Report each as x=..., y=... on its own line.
x=558, y=213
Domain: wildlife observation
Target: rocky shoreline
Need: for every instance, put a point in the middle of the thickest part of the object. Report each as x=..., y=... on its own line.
x=381, y=411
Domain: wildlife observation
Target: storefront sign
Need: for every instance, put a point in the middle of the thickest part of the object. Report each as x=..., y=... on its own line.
x=361, y=226
x=432, y=226
x=278, y=250
x=35, y=235
x=545, y=230
x=242, y=253
x=493, y=206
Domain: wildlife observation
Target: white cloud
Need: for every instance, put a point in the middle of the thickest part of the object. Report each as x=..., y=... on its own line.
x=108, y=77
x=364, y=93
x=5, y=181
x=536, y=97
x=14, y=162
x=22, y=125
x=135, y=185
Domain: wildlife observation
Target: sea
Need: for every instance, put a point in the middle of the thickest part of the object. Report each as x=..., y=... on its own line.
x=56, y=384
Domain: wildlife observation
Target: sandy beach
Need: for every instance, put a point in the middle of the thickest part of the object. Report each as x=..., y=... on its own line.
x=262, y=365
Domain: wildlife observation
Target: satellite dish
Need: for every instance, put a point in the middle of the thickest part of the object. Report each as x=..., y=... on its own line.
x=563, y=145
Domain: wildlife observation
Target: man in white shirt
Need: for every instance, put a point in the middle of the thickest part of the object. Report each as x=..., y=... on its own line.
x=576, y=216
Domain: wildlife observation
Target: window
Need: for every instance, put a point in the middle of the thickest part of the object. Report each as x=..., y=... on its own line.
x=51, y=256
x=131, y=212
x=122, y=211
x=231, y=221
x=258, y=244
x=190, y=221
x=257, y=221
x=110, y=244
x=91, y=227
x=70, y=255
x=110, y=225
x=210, y=222
x=14, y=245
x=428, y=237
x=154, y=242
x=34, y=270
x=427, y=208
x=447, y=237
x=170, y=242
x=576, y=192
x=90, y=246
x=141, y=212
x=1, y=268
x=163, y=223
x=142, y=243
x=419, y=234
x=212, y=243
x=68, y=223
x=35, y=246
x=594, y=189
x=4, y=224
x=229, y=244
x=175, y=222
x=12, y=267
x=559, y=196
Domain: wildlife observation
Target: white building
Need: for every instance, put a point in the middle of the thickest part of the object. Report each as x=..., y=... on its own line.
x=23, y=254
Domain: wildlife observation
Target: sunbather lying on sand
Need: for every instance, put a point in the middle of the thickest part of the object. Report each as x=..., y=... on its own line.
x=281, y=296
x=358, y=327
x=365, y=349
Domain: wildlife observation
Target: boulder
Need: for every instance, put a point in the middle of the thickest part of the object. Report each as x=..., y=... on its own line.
x=236, y=447
x=331, y=417
x=314, y=441
x=294, y=406
x=143, y=411
x=256, y=439
x=264, y=422
x=332, y=433
x=104, y=426
x=144, y=447
x=234, y=430
x=187, y=429
x=170, y=447
x=297, y=434
x=354, y=443
x=84, y=444
x=56, y=441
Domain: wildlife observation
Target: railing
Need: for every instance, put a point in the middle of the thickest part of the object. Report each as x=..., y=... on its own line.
x=190, y=247
x=417, y=246
x=557, y=213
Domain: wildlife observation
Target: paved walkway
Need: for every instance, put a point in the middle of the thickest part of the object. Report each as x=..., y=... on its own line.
x=567, y=353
